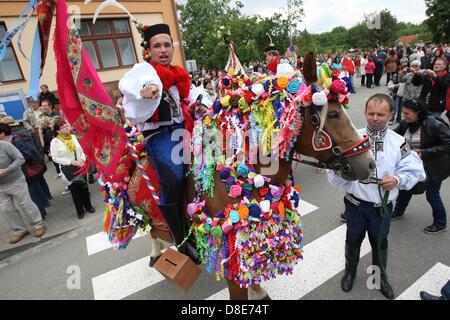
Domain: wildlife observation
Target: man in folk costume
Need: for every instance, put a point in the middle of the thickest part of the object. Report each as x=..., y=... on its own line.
x=273, y=58
x=155, y=99
x=276, y=65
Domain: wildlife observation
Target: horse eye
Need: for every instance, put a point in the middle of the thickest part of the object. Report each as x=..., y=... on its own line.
x=333, y=115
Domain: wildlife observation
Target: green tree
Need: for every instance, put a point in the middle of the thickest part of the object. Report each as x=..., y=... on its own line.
x=307, y=43
x=205, y=24
x=201, y=22
x=438, y=12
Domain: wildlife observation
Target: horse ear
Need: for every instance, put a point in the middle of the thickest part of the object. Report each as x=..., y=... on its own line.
x=310, y=68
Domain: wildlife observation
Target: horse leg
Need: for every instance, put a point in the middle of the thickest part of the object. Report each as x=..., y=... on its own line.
x=256, y=292
x=236, y=292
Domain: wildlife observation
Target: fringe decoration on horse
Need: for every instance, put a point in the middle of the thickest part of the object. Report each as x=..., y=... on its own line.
x=260, y=237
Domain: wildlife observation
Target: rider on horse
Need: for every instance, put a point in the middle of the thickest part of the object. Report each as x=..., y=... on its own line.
x=156, y=100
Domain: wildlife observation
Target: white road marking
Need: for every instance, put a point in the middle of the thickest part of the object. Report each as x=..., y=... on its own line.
x=323, y=259
x=432, y=282
x=99, y=242
x=124, y=281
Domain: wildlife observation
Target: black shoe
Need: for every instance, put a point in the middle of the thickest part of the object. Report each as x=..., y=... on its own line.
x=153, y=260
x=396, y=216
x=435, y=229
x=91, y=210
x=81, y=216
x=426, y=296
x=189, y=249
x=347, y=281
x=351, y=265
x=386, y=289
x=343, y=218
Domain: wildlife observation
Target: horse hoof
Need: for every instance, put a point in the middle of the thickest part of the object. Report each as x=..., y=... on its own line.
x=153, y=261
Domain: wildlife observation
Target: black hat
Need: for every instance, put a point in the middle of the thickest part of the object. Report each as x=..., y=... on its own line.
x=156, y=29
x=271, y=46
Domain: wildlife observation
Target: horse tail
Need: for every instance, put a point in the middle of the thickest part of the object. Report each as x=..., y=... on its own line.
x=310, y=69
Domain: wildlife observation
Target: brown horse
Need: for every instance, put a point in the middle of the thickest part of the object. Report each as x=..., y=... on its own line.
x=350, y=155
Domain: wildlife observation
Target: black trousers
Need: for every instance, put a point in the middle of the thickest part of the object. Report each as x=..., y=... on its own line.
x=377, y=77
x=81, y=197
x=390, y=76
x=363, y=219
x=369, y=80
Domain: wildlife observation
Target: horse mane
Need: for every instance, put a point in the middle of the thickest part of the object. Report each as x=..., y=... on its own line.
x=310, y=69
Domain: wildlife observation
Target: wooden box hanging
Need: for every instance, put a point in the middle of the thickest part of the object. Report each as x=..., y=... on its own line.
x=178, y=268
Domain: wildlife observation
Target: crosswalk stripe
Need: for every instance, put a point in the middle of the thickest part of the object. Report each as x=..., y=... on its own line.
x=323, y=259
x=124, y=281
x=99, y=242
x=306, y=208
x=432, y=282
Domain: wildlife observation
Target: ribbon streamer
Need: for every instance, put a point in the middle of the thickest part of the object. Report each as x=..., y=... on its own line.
x=11, y=33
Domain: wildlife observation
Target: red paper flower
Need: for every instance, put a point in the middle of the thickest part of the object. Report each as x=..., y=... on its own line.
x=308, y=97
x=263, y=191
x=338, y=87
x=248, y=95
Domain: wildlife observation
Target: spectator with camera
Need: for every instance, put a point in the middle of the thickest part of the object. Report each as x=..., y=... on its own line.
x=412, y=83
x=436, y=84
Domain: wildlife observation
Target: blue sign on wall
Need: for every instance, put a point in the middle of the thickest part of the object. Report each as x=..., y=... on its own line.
x=13, y=103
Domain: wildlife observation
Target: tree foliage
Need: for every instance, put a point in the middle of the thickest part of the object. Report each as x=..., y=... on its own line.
x=206, y=23
x=438, y=12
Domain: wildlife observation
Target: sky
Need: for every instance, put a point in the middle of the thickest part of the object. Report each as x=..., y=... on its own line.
x=323, y=15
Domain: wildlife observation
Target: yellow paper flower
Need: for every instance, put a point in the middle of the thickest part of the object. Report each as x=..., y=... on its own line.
x=225, y=101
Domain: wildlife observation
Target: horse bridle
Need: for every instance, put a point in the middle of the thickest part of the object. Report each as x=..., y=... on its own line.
x=338, y=162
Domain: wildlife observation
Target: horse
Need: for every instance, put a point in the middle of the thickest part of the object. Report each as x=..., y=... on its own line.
x=347, y=153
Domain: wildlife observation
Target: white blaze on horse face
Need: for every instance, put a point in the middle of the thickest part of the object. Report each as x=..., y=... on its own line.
x=352, y=124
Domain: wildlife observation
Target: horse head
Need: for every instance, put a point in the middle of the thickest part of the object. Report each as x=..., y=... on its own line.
x=328, y=134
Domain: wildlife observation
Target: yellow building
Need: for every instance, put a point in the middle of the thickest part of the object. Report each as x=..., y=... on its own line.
x=113, y=42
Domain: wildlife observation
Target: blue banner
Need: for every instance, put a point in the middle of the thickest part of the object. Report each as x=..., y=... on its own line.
x=35, y=72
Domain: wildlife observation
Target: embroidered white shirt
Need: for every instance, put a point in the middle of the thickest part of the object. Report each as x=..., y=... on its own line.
x=393, y=157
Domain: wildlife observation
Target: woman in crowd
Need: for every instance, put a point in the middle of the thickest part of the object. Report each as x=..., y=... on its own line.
x=391, y=66
x=370, y=70
x=363, y=69
x=66, y=151
x=430, y=138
